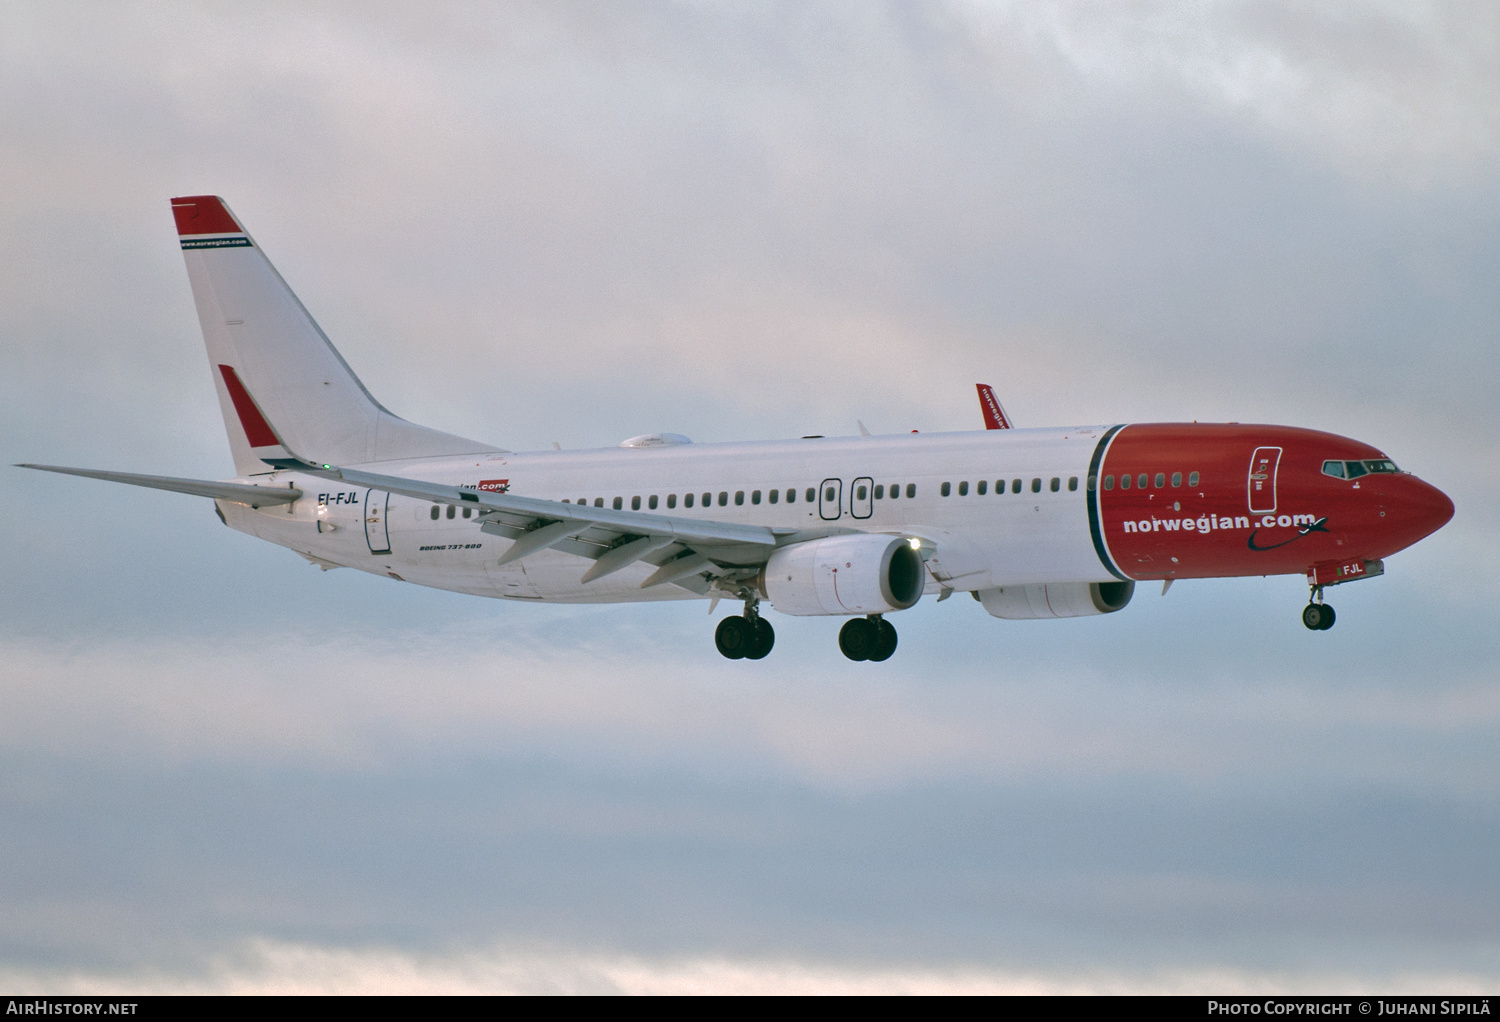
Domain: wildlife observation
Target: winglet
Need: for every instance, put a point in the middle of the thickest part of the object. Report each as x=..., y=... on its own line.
x=204, y=214
x=994, y=415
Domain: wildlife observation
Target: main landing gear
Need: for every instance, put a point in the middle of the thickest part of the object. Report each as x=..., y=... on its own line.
x=1318, y=616
x=868, y=638
x=748, y=637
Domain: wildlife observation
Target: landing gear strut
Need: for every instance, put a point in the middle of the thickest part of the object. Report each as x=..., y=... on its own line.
x=868, y=638
x=747, y=637
x=1318, y=616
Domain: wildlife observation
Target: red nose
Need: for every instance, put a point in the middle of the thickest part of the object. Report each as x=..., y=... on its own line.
x=1430, y=508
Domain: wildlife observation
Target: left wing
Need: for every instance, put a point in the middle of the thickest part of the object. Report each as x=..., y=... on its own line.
x=691, y=552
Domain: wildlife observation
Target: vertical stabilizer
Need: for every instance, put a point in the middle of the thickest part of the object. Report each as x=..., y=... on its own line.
x=279, y=379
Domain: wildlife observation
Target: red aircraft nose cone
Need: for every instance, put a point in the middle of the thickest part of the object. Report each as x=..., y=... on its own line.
x=1431, y=508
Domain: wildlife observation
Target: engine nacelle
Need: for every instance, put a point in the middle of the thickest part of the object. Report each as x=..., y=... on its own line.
x=863, y=574
x=1056, y=599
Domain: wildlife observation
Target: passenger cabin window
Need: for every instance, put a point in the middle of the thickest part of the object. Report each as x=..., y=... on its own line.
x=1124, y=482
x=774, y=495
x=436, y=511
x=652, y=502
x=880, y=491
x=617, y=503
x=860, y=492
x=598, y=501
x=811, y=494
x=945, y=489
x=708, y=500
x=1056, y=484
x=1109, y=482
x=635, y=503
x=755, y=496
x=687, y=500
x=911, y=490
x=1036, y=486
x=1192, y=478
x=1176, y=478
x=981, y=486
x=1160, y=480
x=791, y=496
x=724, y=498
x=452, y=510
x=1140, y=481
x=1015, y=486
x=739, y=498
x=963, y=488
x=468, y=512
x=1072, y=483
x=830, y=494
x=671, y=500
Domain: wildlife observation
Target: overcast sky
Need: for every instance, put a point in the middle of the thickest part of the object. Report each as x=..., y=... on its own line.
x=221, y=769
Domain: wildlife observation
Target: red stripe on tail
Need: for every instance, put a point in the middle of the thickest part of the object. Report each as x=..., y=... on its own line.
x=257, y=430
x=204, y=214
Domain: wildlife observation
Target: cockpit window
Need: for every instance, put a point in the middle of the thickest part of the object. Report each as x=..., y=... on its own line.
x=1354, y=469
x=1333, y=468
x=1380, y=465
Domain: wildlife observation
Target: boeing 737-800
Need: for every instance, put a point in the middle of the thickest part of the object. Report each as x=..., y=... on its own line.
x=1034, y=523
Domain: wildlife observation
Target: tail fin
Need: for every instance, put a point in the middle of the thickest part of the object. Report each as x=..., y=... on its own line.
x=280, y=381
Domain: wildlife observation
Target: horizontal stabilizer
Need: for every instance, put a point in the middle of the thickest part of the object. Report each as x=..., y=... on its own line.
x=235, y=493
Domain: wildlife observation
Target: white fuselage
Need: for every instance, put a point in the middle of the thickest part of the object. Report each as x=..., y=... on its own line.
x=973, y=541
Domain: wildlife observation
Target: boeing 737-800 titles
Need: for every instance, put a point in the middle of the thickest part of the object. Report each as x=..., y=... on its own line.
x=1034, y=523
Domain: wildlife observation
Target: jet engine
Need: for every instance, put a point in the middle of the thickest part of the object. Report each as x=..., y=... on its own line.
x=860, y=574
x=1056, y=599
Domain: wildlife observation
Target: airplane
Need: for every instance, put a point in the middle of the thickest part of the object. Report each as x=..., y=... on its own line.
x=1032, y=523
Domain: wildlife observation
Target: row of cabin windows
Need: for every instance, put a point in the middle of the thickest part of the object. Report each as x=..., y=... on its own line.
x=862, y=492
x=982, y=487
x=706, y=499
x=1146, y=479
x=1337, y=469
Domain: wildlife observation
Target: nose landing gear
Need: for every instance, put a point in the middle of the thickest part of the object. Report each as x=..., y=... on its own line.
x=748, y=637
x=1318, y=616
x=868, y=638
